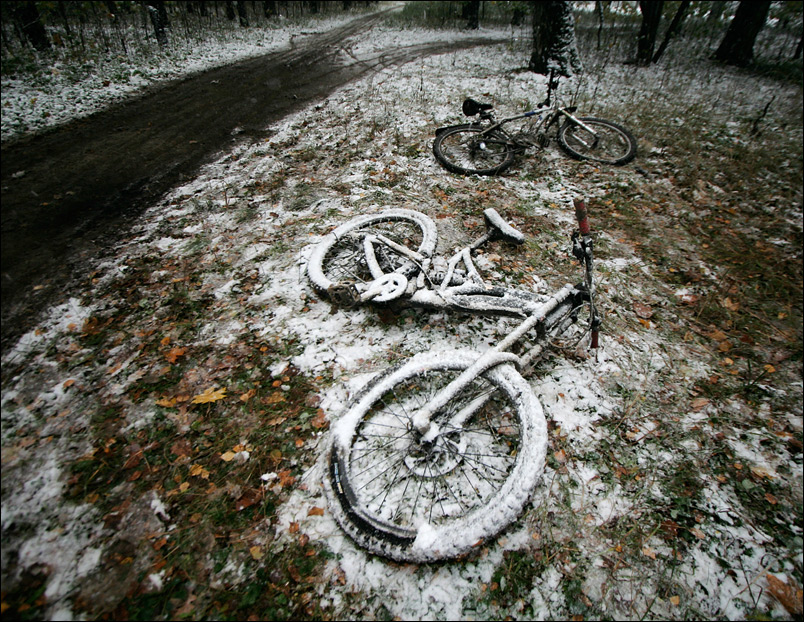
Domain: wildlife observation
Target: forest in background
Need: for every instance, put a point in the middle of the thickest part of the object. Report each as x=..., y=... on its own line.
x=37, y=35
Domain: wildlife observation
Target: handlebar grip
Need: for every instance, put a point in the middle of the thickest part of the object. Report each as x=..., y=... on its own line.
x=582, y=216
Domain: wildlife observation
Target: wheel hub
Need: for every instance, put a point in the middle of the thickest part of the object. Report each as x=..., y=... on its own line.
x=437, y=458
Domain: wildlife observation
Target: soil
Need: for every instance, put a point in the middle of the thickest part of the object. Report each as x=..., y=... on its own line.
x=71, y=193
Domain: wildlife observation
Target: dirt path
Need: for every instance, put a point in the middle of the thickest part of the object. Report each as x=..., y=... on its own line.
x=71, y=193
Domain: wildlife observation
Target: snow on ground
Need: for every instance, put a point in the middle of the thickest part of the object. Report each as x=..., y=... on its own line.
x=247, y=223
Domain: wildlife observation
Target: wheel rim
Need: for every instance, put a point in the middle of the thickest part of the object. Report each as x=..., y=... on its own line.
x=346, y=259
x=465, y=150
x=610, y=145
x=398, y=479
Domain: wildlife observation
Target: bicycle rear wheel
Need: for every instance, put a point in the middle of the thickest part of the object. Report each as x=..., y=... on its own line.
x=341, y=257
x=413, y=501
x=612, y=144
x=462, y=149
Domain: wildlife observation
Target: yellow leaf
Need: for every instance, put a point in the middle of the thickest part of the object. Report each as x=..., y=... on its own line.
x=675, y=600
x=245, y=397
x=275, y=398
x=761, y=472
x=228, y=456
x=199, y=471
x=256, y=552
x=648, y=552
x=184, y=486
x=168, y=402
x=768, y=368
x=210, y=395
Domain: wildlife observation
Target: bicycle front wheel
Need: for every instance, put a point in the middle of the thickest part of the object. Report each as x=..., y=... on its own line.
x=610, y=144
x=416, y=501
x=462, y=149
x=341, y=256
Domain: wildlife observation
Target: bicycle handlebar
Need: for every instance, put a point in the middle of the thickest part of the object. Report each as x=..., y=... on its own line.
x=582, y=216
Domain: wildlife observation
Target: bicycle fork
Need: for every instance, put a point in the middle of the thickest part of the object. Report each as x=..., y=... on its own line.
x=555, y=307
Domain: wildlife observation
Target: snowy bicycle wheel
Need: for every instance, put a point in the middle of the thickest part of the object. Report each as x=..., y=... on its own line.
x=466, y=150
x=611, y=143
x=341, y=256
x=408, y=500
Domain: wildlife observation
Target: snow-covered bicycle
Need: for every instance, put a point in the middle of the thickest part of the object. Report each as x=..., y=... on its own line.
x=485, y=147
x=440, y=453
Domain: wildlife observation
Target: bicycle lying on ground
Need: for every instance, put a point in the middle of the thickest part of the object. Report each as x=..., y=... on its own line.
x=440, y=453
x=485, y=147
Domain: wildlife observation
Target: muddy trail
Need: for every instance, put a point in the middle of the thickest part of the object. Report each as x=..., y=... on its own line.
x=71, y=193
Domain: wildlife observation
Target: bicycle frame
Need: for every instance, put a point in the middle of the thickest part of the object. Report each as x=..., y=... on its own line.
x=548, y=121
x=546, y=317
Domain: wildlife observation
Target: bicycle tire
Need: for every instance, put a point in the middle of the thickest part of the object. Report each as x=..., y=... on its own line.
x=340, y=256
x=376, y=462
x=615, y=145
x=458, y=150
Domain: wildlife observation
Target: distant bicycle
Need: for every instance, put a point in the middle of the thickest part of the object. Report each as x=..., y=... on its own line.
x=485, y=147
x=441, y=453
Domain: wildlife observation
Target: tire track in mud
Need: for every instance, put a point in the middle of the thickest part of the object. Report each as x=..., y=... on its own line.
x=71, y=193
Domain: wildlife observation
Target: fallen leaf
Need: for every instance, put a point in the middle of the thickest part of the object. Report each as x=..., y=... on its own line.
x=245, y=397
x=210, y=395
x=167, y=402
x=182, y=448
x=648, y=552
x=730, y=304
x=699, y=403
x=247, y=499
x=675, y=600
x=228, y=456
x=643, y=310
x=173, y=354
x=275, y=398
x=320, y=420
x=199, y=471
x=285, y=478
x=789, y=596
x=315, y=511
x=768, y=368
x=293, y=527
x=68, y=383
x=761, y=472
x=560, y=456
x=771, y=499
x=256, y=552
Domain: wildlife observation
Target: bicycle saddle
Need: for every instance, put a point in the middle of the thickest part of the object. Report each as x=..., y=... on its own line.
x=471, y=107
x=498, y=229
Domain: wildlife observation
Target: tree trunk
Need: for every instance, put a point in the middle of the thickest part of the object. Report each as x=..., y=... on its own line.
x=737, y=47
x=674, y=26
x=242, y=15
x=646, y=40
x=158, y=17
x=554, y=46
x=27, y=15
x=471, y=13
